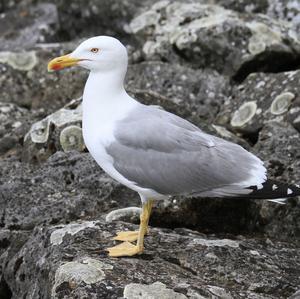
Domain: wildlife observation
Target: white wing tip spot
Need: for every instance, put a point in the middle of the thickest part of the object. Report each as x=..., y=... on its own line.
x=274, y=187
x=259, y=186
x=289, y=191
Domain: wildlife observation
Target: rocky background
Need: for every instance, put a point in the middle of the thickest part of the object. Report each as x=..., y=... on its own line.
x=231, y=67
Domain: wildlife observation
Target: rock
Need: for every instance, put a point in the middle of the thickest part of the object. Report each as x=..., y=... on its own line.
x=203, y=35
x=173, y=265
x=57, y=236
x=14, y=122
x=25, y=81
x=89, y=271
x=93, y=17
x=155, y=290
x=249, y=6
x=287, y=10
x=295, y=295
x=200, y=92
x=67, y=187
x=284, y=165
x=60, y=130
x=131, y=214
x=262, y=98
x=28, y=26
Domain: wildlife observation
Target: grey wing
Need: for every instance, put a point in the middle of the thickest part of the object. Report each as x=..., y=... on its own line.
x=163, y=152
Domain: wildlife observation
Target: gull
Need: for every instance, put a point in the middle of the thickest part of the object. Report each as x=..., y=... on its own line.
x=154, y=152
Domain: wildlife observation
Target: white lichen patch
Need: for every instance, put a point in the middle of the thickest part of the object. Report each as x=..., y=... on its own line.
x=23, y=61
x=262, y=37
x=155, y=290
x=244, y=114
x=282, y=103
x=71, y=139
x=177, y=23
x=215, y=243
x=149, y=18
x=56, y=237
x=128, y=213
x=218, y=292
x=223, y=131
x=87, y=270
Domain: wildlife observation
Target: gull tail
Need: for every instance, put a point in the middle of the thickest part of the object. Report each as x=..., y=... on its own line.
x=273, y=190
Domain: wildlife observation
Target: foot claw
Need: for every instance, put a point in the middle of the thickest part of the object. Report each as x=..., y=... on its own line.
x=124, y=249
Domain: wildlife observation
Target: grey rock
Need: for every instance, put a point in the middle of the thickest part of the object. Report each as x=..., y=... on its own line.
x=202, y=92
x=68, y=186
x=295, y=295
x=25, y=81
x=274, y=95
x=152, y=291
x=130, y=214
x=65, y=124
x=79, y=267
x=23, y=27
x=278, y=145
x=203, y=35
x=249, y=6
x=14, y=122
x=94, y=17
x=287, y=10
x=57, y=236
x=87, y=270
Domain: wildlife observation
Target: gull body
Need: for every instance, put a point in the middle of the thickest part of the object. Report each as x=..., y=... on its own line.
x=152, y=151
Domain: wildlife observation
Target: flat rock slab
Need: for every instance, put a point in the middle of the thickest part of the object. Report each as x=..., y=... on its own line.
x=176, y=264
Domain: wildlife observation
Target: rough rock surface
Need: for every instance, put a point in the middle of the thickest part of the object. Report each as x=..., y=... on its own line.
x=208, y=61
x=205, y=35
x=262, y=98
x=177, y=264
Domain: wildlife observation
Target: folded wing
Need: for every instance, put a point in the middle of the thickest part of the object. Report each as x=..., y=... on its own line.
x=163, y=152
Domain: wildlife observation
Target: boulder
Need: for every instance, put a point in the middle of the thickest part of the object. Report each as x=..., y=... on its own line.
x=176, y=264
x=260, y=99
x=25, y=26
x=25, y=81
x=205, y=35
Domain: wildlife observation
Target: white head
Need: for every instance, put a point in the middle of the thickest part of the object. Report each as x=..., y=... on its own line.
x=97, y=54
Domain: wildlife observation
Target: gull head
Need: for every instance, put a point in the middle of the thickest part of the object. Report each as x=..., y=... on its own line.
x=97, y=54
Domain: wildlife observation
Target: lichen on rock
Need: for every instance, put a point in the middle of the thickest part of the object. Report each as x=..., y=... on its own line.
x=85, y=270
x=71, y=139
x=282, y=103
x=23, y=61
x=244, y=114
x=155, y=290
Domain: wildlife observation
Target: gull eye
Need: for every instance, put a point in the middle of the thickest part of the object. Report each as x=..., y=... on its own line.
x=94, y=50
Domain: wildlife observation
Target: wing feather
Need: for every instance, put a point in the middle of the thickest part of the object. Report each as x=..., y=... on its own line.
x=163, y=152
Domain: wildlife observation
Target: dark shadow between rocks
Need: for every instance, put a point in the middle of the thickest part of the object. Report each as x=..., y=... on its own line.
x=207, y=215
x=272, y=62
x=5, y=291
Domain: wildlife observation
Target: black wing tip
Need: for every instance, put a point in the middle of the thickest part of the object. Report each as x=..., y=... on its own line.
x=271, y=190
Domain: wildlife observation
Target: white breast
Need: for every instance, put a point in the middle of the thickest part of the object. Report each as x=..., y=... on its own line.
x=102, y=109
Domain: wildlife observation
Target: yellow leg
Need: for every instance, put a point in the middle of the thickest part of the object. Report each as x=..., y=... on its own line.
x=131, y=236
x=128, y=249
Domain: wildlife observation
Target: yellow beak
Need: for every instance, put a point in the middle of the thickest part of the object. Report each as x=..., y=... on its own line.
x=62, y=62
